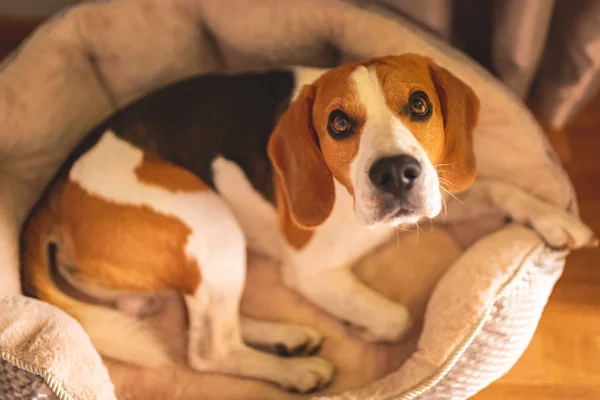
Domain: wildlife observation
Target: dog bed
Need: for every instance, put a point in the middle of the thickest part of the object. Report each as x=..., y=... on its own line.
x=476, y=284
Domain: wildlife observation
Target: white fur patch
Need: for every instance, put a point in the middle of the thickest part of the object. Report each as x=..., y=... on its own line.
x=341, y=240
x=257, y=217
x=384, y=135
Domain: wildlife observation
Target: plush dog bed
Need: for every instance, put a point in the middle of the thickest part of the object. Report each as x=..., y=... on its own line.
x=476, y=284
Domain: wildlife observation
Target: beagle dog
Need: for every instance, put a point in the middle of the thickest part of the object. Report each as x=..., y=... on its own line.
x=311, y=167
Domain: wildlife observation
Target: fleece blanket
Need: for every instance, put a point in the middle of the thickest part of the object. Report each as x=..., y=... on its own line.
x=476, y=287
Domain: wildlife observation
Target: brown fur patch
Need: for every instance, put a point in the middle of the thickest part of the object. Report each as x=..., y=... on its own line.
x=124, y=247
x=336, y=91
x=447, y=136
x=306, y=181
x=296, y=236
x=460, y=107
x=305, y=156
x=157, y=172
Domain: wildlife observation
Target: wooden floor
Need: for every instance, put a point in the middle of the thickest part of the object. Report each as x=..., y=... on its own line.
x=563, y=360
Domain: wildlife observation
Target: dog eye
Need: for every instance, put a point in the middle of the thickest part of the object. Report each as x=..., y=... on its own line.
x=340, y=125
x=418, y=105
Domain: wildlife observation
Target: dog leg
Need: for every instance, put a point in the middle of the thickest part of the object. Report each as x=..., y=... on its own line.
x=557, y=227
x=215, y=342
x=339, y=292
x=216, y=345
x=281, y=338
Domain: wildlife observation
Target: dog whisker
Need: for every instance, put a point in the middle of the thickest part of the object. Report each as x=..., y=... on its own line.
x=447, y=172
x=446, y=181
x=444, y=210
x=430, y=224
x=453, y=196
x=419, y=230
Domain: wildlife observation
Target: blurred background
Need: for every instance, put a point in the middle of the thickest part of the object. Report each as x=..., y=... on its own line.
x=548, y=53
x=33, y=7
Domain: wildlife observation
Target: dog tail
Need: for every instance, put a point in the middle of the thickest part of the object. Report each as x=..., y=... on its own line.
x=114, y=334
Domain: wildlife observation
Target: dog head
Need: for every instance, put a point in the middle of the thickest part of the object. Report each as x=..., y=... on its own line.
x=393, y=131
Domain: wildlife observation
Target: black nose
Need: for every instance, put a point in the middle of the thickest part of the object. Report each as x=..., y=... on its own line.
x=395, y=175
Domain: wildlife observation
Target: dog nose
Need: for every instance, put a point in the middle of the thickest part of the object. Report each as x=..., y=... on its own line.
x=395, y=175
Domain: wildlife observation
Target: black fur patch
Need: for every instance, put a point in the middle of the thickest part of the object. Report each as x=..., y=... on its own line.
x=194, y=121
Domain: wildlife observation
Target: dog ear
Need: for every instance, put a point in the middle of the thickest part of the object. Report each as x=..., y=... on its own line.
x=300, y=168
x=460, y=110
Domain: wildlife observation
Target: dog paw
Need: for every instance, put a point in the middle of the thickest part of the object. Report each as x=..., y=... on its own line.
x=558, y=228
x=287, y=340
x=299, y=375
x=562, y=230
x=302, y=341
x=308, y=374
x=390, y=328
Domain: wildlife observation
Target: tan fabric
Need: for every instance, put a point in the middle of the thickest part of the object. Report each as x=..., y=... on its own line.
x=38, y=337
x=82, y=65
x=505, y=335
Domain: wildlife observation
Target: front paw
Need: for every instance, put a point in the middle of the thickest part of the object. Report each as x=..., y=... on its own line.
x=389, y=327
x=562, y=230
x=307, y=375
x=292, y=341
